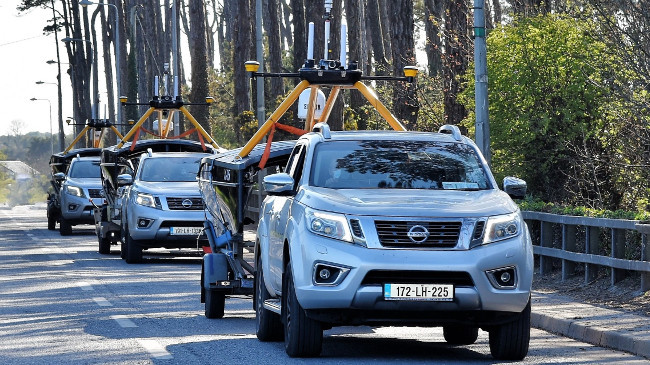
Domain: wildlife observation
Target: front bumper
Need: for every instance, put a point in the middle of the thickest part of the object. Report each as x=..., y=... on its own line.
x=362, y=291
x=152, y=227
x=78, y=210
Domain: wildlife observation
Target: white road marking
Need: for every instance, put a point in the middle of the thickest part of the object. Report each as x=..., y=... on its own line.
x=102, y=302
x=85, y=286
x=123, y=321
x=155, y=349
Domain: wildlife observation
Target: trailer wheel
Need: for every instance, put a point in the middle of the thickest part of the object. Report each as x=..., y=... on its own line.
x=104, y=243
x=215, y=303
x=65, y=228
x=510, y=341
x=133, y=254
x=268, y=325
x=51, y=223
x=303, y=336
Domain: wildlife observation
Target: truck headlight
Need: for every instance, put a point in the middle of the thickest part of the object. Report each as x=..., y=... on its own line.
x=502, y=227
x=74, y=190
x=327, y=224
x=145, y=199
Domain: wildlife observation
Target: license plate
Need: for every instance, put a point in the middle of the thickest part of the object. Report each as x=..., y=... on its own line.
x=435, y=292
x=185, y=231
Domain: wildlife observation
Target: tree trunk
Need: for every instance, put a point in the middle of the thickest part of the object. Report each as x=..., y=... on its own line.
x=456, y=59
x=241, y=53
x=299, y=34
x=111, y=138
x=285, y=25
x=374, y=28
x=497, y=12
x=433, y=17
x=275, y=48
x=198, y=62
x=355, y=16
x=405, y=103
x=385, y=31
x=314, y=11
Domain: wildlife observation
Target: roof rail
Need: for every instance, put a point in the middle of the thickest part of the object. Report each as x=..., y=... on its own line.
x=149, y=152
x=451, y=129
x=322, y=128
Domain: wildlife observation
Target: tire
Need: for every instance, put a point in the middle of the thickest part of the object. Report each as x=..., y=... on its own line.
x=51, y=223
x=460, y=335
x=509, y=341
x=133, y=254
x=65, y=228
x=104, y=243
x=268, y=325
x=215, y=303
x=303, y=336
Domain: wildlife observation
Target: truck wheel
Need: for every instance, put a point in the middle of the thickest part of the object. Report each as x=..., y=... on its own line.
x=133, y=254
x=509, y=341
x=303, y=337
x=104, y=243
x=65, y=228
x=460, y=335
x=215, y=303
x=268, y=325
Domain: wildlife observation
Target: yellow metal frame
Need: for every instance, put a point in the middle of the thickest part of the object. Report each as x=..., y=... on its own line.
x=96, y=141
x=165, y=130
x=368, y=93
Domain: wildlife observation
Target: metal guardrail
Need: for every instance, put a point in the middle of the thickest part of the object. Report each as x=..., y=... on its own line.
x=559, y=239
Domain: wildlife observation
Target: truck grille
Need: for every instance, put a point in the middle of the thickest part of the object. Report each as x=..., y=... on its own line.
x=185, y=203
x=457, y=278
x=418, y=234
x=96, y=193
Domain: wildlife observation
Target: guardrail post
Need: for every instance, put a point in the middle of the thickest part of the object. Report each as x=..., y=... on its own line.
x=618, y=252
x=545, y=240
x=592, y=245
x=568, y=244
x=645, y=256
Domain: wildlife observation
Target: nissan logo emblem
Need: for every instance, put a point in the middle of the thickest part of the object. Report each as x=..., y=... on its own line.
x=187, y=203
x=418, y=234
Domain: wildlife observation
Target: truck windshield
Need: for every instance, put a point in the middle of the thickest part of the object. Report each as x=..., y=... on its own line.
x=177, y=169
x=397, y=165
x=85, y=170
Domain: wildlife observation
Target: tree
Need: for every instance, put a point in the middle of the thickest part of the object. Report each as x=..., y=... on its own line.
x=199, y=61
x=455, y=59
x=554, y=120
x=403, y=47
x=242, y=37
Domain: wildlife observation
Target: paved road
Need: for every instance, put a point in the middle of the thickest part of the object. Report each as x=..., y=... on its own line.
x=61, y=302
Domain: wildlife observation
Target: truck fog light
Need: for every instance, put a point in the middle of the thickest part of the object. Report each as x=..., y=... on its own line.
x=143, y=222
x=72, y=207
x=328, y=274
x=324, y=274
x=503, y=278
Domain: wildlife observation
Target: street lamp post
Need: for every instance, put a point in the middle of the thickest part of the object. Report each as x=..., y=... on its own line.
x=51, y=132
x=85, y=3
x=60, y=112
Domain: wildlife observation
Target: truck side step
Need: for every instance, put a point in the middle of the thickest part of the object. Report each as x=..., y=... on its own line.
x=273, y=305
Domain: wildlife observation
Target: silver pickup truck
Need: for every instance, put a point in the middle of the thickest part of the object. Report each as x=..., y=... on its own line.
x=392, y=228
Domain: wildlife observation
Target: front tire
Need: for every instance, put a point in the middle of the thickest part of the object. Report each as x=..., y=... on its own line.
x=268, y=325
x=510, y=341
x=303, y=336
x=65, y=228
x=215, y=303
x=460, y=335
x=133, y=254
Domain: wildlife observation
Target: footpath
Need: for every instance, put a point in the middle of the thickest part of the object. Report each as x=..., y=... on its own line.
x=599, y=326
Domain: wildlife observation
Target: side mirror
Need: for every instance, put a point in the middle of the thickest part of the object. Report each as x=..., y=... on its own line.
x=278, y=184
x=515, y=187
x=124, y=179
x=59, y=176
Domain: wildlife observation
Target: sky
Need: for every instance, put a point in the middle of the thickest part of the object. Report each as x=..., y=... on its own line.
x=24, y=50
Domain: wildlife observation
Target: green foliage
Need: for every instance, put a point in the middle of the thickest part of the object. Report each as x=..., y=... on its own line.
x=536, y=205
x=554, y=120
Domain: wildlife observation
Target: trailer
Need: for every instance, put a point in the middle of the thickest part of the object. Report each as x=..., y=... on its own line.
x=227, y=182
